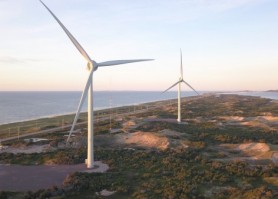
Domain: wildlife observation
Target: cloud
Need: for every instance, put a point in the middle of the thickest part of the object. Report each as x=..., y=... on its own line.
x=15, y=60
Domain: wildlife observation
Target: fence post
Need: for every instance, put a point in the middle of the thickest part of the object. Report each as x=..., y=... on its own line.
x=18, y=132
x=9, y=132
x=110, y=122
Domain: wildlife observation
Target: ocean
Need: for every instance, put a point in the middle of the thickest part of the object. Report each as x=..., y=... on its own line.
x=22, y=106
x=270, y=95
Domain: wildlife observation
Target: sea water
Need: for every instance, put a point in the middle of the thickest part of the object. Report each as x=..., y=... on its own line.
x=22, y=106
x=270, y=95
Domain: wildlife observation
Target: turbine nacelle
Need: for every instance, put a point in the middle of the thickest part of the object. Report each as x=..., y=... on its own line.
x=181, y=80
x=92, y=65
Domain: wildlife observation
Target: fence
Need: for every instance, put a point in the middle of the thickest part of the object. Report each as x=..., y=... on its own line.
x=63, y=123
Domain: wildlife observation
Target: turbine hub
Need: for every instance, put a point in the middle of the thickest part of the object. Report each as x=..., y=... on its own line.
x=92, y=65
x=89, y=66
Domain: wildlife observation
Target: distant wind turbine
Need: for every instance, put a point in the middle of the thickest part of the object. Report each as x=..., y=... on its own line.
x=179, y=82
x=92, y=66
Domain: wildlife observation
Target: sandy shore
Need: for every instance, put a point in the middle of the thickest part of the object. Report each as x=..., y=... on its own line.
x=63, y=122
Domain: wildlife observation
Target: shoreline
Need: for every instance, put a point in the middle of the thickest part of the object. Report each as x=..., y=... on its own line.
x=267, y=94
x=96, y=110
x=100, y=109
x=137, y=104
x=18, y=130
x=34, y=105
x=62, y=120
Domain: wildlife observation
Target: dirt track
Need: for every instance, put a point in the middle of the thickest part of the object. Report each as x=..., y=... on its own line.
x=25, y=178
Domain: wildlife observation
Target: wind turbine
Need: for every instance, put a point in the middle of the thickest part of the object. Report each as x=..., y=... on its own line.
x=179, y=82
x=92, y=66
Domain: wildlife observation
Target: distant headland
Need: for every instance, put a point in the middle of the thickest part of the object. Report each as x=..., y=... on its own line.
x=272, y=91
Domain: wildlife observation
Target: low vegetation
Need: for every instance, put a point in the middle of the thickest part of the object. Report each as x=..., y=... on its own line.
x=197, y=171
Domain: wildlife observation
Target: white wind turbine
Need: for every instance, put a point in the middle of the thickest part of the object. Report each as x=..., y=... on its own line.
x=179, y=82
x=88, y=90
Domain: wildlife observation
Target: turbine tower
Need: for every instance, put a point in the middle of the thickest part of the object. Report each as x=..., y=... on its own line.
x=179, y=82
x=88, y=90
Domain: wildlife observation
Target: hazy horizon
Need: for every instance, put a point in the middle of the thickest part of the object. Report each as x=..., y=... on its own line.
x=172, y=90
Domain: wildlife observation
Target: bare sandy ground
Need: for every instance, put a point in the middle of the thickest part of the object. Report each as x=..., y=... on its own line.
x=106, y=192
x=232, y=118
x=251, y=151
x=149, y=140
x=260, y=147
x=260, y=118
x=267, y=122
x=146, y=139
x=163, y=120
x=25, y=178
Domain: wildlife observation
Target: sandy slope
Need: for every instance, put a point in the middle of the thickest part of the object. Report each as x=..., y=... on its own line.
x=259, y=147
x=146, y=139
x=250, y=151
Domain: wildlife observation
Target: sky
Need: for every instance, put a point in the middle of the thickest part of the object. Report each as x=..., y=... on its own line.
x=226, y=44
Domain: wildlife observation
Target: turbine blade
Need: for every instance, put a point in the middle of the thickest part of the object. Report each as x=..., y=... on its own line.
x=181, y=65
x=190, y=87
x=74, y=41
x=171, y=86
x=84, y=94
x=118, y=62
